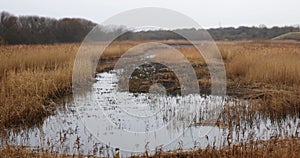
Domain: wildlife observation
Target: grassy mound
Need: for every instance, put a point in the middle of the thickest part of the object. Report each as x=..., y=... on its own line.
x=289, y=36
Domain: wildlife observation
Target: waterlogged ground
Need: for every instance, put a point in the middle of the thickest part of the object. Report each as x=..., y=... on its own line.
x=104, y=118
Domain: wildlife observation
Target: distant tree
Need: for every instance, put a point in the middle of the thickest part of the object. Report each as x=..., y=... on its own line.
x=262, y=26
x=2, y=41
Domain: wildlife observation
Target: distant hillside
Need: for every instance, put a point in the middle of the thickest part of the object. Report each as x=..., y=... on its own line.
x=289, y=36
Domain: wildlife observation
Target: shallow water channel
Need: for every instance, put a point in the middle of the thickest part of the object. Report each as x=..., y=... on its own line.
x=104, y=119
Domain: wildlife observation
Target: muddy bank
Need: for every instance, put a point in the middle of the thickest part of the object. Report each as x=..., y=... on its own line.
x=151, y=73
x=148, y=74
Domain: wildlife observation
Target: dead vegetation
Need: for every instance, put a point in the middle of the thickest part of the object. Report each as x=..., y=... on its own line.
x=287, y=148
x=31, y=77
x=266, y=72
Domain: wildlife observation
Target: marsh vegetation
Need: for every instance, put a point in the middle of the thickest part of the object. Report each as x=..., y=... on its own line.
x=263, y=79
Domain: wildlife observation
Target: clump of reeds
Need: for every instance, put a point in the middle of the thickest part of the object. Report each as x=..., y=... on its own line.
x=31, y=77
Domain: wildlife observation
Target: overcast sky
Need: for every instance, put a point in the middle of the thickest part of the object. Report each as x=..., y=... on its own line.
x=208, y=13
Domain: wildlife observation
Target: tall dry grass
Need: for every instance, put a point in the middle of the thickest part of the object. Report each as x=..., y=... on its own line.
x=30, y=77
x=267, y=62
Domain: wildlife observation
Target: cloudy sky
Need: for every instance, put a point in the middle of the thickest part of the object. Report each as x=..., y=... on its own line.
x=208, y=13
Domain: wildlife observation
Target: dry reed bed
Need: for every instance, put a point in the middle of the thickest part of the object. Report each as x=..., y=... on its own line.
x=268, y=62
x=32, y=76
x=268, y=70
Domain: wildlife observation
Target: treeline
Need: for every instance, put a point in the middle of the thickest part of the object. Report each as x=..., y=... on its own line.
x=42, y=30
x=230, y=33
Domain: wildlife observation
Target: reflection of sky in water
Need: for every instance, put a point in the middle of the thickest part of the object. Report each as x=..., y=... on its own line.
x=134, y=120
x=129, y=121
